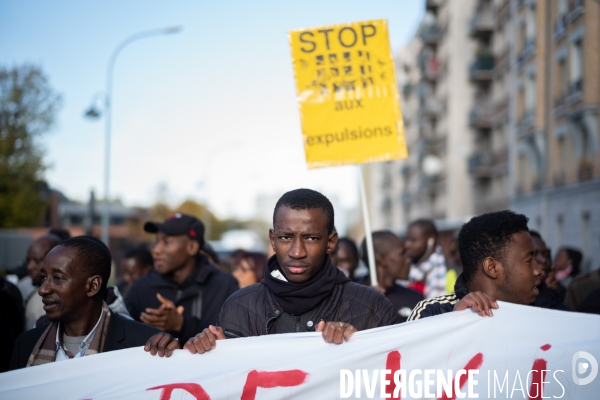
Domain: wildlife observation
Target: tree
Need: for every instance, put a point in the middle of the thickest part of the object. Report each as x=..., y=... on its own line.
x=28, y=106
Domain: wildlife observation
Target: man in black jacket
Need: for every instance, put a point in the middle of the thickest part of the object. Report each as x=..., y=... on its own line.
x=74, y=278
x=497, y=253
x=302, y=291
x=185, y=292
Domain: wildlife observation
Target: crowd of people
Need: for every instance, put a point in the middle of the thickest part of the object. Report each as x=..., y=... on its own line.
x=176, y=295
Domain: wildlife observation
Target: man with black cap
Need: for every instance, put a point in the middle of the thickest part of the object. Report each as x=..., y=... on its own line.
x=184, y=294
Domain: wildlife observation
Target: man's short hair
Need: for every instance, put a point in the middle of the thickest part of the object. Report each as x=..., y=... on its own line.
x=379, y=240
x=306, y=199
x=535, y=234
x=93, y=256
x=62, y=233
x=426, y=226
x=141, y=255
x=351, y=244
x=487, y=235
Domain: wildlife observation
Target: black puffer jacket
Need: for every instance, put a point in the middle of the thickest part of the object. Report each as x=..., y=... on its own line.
x=253, y=310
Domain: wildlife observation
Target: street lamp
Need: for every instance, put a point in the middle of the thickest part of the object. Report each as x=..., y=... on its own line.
x=93, y=112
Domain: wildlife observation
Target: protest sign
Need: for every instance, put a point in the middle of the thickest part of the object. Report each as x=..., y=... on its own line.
x=347, y=94
x=459, y=353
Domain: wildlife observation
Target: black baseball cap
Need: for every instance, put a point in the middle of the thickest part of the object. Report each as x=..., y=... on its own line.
x=179, y=224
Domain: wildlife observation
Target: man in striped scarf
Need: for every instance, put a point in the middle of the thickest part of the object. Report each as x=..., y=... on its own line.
x=74, y=278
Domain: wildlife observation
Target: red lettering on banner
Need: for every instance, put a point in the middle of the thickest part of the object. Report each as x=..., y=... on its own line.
x=539, y=373
x=393, y=364
x=269, y=380
x=192, y=388
x=473, y=364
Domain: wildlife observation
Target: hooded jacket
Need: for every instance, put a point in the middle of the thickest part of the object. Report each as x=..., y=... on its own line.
x=254, y=310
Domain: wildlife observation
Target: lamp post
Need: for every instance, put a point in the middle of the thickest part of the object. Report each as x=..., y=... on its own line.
x=94, y=113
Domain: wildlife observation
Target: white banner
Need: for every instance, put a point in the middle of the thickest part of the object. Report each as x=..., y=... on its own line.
x=467, y=356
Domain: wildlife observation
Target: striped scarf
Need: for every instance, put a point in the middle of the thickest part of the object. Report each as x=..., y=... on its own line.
x=44, y=350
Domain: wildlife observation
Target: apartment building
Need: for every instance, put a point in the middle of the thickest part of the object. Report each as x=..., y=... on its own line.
x=556, y=133
x=433, y=74
x=500, y=101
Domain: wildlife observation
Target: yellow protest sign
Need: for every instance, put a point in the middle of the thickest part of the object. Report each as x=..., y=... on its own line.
x=347, y=94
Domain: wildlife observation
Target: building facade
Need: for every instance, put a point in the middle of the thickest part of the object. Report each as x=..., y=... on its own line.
x=556, y=132
x=433, y=75
x=500, y=103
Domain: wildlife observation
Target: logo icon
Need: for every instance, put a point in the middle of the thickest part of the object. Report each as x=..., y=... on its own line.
x=580, y=367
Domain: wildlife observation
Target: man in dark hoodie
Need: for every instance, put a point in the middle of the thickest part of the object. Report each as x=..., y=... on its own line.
x=302, y=291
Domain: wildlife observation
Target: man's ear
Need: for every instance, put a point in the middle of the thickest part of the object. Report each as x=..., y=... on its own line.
x=332, y=240
x=93, y=285
x=272, y=238
x=492, y=268
x=193, y=247
x=381, y=259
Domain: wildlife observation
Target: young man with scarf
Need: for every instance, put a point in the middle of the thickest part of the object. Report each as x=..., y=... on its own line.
x=73, y=283
x=302, y=291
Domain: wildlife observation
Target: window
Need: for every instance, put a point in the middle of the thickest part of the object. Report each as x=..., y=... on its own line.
x=521, y=165
x=531, y=28
x=562, y=155
x=523, y=35
x=563, y=82
x=530, y=94
x=576, y=61
x=561, y=7
x=585, y=234
x=558, y=238
x=521, y=101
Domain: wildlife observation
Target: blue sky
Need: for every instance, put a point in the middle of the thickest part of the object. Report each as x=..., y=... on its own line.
x=210, y=111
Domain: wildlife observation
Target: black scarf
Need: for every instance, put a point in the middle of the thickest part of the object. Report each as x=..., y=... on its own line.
x=299, y=298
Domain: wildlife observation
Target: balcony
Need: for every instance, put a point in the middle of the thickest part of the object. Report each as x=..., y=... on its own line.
x=480, y=165
x=560, y=27
x=482, y=69
x=432, y=5
x=575, y=91
x=585, y=171
x=575, y=9
x=430, y=67
x=407, y=89
x=432, y=185
x=431, y=108
x=430, y=34
x=501, y=106
x=501, y=156
x=559, y=105
x=480, y=118
x=559, y=179
x=527, y=118
x=405, y=198
x=424, y=91
x=527, y=51
x=482, y=24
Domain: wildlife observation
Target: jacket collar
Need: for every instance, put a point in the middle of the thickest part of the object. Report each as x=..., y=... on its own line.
x=116, y=330
x=460, y=287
